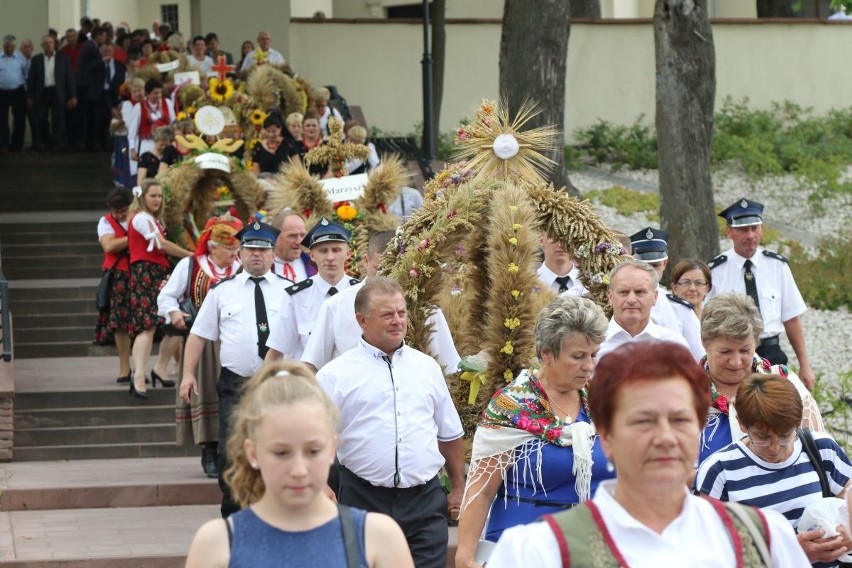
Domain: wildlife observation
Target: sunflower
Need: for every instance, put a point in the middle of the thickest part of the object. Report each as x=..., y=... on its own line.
x=220, y=91
x=181, y=116
x=257, y=117
x=346, y=212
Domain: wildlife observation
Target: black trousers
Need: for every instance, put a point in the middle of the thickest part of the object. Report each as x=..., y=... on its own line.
x=420, y=511
x=50, y=120
x=230, y=389
x=16, y=101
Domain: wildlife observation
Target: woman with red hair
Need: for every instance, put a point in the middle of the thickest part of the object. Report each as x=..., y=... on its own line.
x=215, y=259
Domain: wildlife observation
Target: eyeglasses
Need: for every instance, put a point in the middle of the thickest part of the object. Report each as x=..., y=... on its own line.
x=764, y=441
x=690, y=283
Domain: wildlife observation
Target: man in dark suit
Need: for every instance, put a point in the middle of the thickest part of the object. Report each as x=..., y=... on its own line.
x=90, y=85
x=50, y=89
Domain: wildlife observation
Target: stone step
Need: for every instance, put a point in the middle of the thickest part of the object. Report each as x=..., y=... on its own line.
x=33, y=307
x=99, y=451
x=92, y=484
x=58, y=264
x=58, y=349
x=89, y=417
x=41, y=268
x=70, y=250
x=16, y=234
x=57, y=320
x=56, y=289
x=83, y=398
x=139, y=433
x=52, y=334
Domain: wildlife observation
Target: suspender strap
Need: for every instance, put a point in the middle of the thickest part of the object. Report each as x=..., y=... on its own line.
x=810, y=447
x=350, y=544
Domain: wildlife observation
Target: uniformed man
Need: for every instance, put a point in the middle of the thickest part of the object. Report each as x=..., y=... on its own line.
x=559, y=271
x=240, y=312
x=329, y=249
x=291, y=261
x=336, y=329
x=651, y=245
x=764, y=275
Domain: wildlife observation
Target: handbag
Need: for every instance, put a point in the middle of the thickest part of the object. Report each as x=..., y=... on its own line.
x=810, y=448
x=186, y=306
x=104, y=286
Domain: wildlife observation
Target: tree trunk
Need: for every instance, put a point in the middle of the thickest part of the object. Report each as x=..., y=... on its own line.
x=775, y=9
x=439, y=50
x=588, y=9
x=533, y=54
x=686, y=87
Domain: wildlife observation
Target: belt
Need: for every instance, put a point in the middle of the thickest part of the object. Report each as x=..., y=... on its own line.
x=392, y=490
x=539, y=502
x=770, y=341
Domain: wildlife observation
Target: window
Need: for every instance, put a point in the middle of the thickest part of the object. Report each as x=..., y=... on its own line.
x=169, y=15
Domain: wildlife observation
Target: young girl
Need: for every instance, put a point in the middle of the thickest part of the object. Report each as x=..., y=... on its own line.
x=284, y=442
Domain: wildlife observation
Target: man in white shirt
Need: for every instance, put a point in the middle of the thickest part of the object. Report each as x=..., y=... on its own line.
x=764, y=276
x=291, y=260
x=558, y=271
x=240, y=312
x=632, y=293
x=263, y=54
x=398, y=426
x=199, y=58
x=677, y=314
x=329, y=246
x=336, y=329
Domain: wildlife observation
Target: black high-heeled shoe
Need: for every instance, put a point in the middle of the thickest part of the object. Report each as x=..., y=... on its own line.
x=137, y=394
x=165, y=382
x=123, y=380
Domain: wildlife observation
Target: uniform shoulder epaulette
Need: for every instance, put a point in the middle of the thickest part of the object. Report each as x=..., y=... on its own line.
x=299, y=286
x=775, y=255
x=353, y=281
x=231, y=277
x=681, y=301
x=718, y=261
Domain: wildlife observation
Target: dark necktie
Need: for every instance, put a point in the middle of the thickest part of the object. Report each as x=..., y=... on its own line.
x=751, y=283
x=260, y=317
x=108, y=75
x=564, y=283
x=332, y=291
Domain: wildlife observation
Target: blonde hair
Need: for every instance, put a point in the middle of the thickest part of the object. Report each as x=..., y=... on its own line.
x=320, y=94
x=357, y=134
x=138, y=203
x=164, y=134
x=137, y=83
x=282, y=383
x=294, y=118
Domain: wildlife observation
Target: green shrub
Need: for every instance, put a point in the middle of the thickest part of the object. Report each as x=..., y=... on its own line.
x=834, y=401
x=628, y=201
x=634, y=146
x=823, y=279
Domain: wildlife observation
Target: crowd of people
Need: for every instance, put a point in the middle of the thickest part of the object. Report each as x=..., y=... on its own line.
x=328, y=434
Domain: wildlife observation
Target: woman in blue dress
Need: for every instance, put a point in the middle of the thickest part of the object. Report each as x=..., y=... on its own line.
x=283, y=445
x=535, y=450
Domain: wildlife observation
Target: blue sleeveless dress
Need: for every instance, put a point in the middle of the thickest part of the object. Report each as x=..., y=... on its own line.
x=258, y=544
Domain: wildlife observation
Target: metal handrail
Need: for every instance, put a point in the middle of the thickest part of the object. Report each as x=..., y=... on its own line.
x=5, y=320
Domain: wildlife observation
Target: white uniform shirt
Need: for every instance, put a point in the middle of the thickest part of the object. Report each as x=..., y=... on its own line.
x=679, y=318
x=336, y=331
x=780, y=299
x=275, y=58
x=228, y=315
x=696, y=538
x=548, y=278
x=298, y=267
x=387, y=405
x=617, y=336
x=308, y=301
x=175, y=288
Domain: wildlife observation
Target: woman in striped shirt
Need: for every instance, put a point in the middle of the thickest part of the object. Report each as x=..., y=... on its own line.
x=768, y=467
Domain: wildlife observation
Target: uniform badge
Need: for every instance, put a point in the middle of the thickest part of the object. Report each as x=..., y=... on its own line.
x=324, y=222
x=262, y=327
x=743, y=203
x=649, y=235
x=256, y=226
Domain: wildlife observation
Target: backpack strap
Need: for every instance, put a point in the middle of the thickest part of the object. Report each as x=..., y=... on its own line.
x=350, y=544
x=229, y=524
x=810, y=448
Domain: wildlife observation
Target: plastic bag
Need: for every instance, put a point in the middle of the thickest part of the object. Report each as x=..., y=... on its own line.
x=826, y=514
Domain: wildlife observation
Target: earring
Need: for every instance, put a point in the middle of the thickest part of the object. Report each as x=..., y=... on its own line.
x=609, y=466
x=253, y=465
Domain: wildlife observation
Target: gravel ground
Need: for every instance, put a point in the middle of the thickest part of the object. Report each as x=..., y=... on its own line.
x=824, y=330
